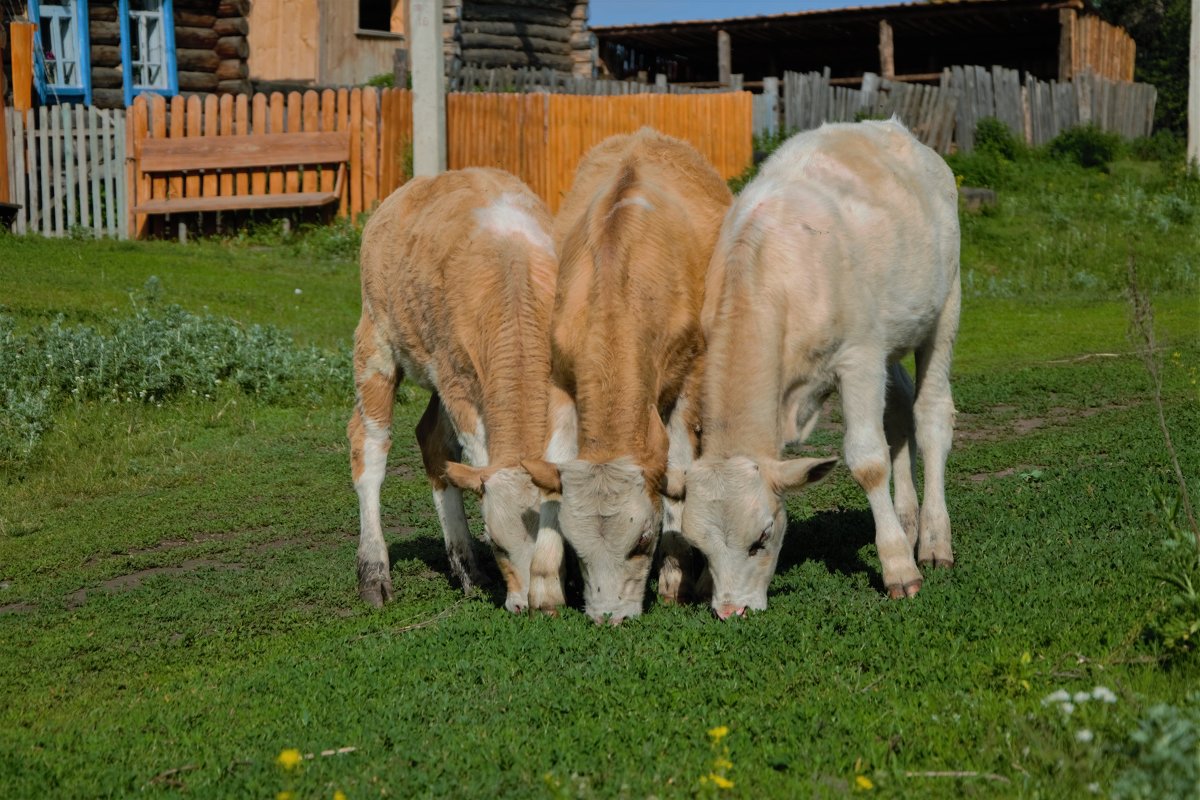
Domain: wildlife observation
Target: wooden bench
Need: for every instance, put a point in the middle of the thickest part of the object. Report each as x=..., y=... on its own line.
x=193, y=154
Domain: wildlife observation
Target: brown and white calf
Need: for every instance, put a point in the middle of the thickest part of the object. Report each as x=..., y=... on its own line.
x=458, y=276
x=841, y=257
x=634, y=236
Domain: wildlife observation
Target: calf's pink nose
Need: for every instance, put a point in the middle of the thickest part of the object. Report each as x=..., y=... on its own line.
x=728, y=610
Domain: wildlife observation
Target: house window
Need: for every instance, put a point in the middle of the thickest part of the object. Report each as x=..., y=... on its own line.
x=381, y=16
x=148, y=47
x=62, y=68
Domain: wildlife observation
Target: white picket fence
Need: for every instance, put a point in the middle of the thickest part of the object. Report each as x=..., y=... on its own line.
x=67, y=170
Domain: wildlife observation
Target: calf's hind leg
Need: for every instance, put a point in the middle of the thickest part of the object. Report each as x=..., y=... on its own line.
x=369, y=431
x=439, y=445
x=901, y=436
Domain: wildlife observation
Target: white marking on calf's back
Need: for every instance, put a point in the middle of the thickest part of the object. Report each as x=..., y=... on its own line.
x=509, y=216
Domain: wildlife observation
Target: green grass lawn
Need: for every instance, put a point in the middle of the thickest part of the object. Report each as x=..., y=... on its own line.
x=178, y=602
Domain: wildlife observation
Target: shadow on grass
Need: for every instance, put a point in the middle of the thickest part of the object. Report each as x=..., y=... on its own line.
x=833, y=538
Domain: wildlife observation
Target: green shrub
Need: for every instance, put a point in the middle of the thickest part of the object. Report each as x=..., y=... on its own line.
x=992, y=135
x=1163, y=146
x=1165, y=750
x=1086, y=145
x=154, y=356
x=982, y=168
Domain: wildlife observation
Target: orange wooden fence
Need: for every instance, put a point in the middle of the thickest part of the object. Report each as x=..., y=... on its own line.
x=538, y=137
x=541, y=137
x=375, y=166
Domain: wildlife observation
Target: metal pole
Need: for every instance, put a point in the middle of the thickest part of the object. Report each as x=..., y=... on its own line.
x=428, y=82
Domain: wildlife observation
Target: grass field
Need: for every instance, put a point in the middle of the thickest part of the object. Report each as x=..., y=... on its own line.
x=177, y=590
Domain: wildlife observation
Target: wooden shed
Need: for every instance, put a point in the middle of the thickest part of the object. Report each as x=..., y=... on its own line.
x=912, y=41
x=105, y=52
x=339, y=42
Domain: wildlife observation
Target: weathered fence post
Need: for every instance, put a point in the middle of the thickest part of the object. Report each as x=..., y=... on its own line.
x=400, y=68
x=771, y=93
x=724, y=58
x=5, y=193
x=22, y=64
x=428, y=92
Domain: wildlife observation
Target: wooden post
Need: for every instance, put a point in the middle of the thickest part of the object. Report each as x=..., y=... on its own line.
x=1066, y=44
x=5, y=193
x=660, y=83
x=736, y=81
x=887, y=51
x=1194, y=90
x=428, y=92
x=400, y=66
x=771, y=93
x=22, y=64
x=724, y=58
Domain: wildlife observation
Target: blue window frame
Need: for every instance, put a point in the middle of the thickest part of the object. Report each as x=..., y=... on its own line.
x=62, y=65
x=148, y=48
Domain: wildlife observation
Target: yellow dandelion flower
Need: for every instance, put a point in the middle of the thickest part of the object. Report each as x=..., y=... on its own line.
x=285, y=796
x=721, y=781
x=339, y=795
x=290, y=758
x=722, y=763
x=718, y=733
x=863, y=783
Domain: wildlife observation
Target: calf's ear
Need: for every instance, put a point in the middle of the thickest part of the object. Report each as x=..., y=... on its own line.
x=468, y=478
x=794, y=473
x=544, y=474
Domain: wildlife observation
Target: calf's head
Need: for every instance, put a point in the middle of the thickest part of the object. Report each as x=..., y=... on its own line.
x=611, y=519
x=733, y=513
x=509, y=503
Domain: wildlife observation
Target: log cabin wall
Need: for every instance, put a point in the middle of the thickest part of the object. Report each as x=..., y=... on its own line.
x=511, y=33
x=284, y=40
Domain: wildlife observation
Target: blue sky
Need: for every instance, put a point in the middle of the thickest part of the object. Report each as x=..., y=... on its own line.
x=629, y=12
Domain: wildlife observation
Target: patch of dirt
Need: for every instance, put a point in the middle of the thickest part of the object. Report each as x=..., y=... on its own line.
x=167, y=545
x=133, y=580
x=987, y=428
x=980, y=477
x=402, y=471
x=17, y=608
x=400, y=531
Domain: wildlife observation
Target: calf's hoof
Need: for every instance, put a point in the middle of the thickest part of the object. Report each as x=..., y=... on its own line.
x=546, y=595
x=374, y=584
x=900, y=591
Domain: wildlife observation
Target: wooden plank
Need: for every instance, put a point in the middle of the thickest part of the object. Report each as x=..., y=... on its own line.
x=356, y=181
x=199, y=204
x=342, y=121
x=21, y=43
x=241, y=127
x=311, y=124
x=258, y=126
x=233, y=152
x=192, y=185
x=226, y=188
x=119, y=187
x=211, y=182
x=295, y=108
x=328, y=123
x=370, y=155
x=7, y=151
x=81, y=155
x=135, y=132
x=275, y=176
x=70, y=187
x=20, y=159
x=178, y=121
x=57, y=190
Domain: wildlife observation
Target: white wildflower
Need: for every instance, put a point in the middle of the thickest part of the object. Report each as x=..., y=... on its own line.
x=298, y=291
x=1068, y=707
x=1094, y=788
x=1061, y=696
x=1082, y=697
x=1084, y=735
x=1104, y=694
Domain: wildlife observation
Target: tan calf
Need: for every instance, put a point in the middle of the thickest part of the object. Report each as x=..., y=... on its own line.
x=635, y=234
x=458, y=275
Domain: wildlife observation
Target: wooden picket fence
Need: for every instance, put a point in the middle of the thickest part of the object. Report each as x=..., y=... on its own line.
x=379, y=123
x=66, y=168
x=810, y=100
x=540, y=138
x=71, y=169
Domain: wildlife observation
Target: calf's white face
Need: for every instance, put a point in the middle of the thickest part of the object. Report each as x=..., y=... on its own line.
x=509, y=505
x=733, y=513
x=612, y=523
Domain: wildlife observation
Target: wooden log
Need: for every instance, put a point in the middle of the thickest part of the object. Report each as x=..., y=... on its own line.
x=106, y=55
x=234, y=87
x=101, y=13
x=887, y=51
x=197, y=82
x=232, y=69
x=107, y=78
x=1067, y=61
x=232, y=47
x=188, y=60
x=188, y=18
x=104, y=32
x=231, y=26
x=233, y=8
x=507, y=28
x=108, y=98
x=724, y=58
x=503, y=58
x=196, y=38
x=530, y=16
x=487, y=41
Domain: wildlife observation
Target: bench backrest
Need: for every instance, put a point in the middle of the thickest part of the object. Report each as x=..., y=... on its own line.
x=242, y=152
